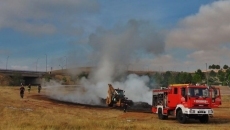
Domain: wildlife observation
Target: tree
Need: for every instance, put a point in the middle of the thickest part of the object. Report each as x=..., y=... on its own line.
x=64, y=80
x=196, y=78
x=183, y=77
x=157, y=77
x=202, y=75
x=189, y=78
x=225, y=67
x=17, y=79
x=221, y=75
x=47, y=77
x=210, y=67
x=212, y=73
x=228, y=80
x=217, y=67
x=227, y=73
x=166, y=77
x=213, y=66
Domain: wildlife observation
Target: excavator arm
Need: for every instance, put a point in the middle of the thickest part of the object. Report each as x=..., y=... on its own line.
x=109, y=95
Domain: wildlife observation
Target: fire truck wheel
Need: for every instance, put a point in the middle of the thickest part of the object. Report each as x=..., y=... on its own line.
x=181, y=117
x=204, y=119
x=160, y=115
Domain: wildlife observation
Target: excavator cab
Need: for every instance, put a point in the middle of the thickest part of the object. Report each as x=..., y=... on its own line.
x=119, y=92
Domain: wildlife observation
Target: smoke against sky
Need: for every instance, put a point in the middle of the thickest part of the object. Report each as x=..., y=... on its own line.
x=120, y=46
x=112, y=48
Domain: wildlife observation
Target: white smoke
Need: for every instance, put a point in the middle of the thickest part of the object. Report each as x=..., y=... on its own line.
x=87, y=93
x=136, y=88
x=113, y=50
x=76, y=94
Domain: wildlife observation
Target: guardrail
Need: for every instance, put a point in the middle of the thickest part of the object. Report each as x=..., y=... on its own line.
x=8, y=70
x=22, y=72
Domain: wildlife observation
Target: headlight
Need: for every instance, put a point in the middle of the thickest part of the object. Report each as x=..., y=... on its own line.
x=191, y=111
x=210, y=111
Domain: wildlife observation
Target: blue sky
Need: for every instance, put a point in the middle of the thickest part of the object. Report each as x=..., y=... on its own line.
x=151, y=34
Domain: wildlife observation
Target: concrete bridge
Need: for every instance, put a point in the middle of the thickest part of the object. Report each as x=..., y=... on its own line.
x=29, y=77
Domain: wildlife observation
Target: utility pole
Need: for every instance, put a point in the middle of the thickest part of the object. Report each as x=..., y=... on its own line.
x=7, y=61
x=46, y=62
x=206, y=74
x=37, y=64
x=66, y=62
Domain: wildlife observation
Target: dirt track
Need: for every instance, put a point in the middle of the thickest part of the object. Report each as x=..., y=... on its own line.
x=225, y=90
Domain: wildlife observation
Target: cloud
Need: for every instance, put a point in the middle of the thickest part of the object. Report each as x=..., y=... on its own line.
x=210, y=56
x=209, y=29
x=41, y=16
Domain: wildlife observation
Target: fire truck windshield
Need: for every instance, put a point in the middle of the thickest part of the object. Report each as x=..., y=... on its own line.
x=198, y=92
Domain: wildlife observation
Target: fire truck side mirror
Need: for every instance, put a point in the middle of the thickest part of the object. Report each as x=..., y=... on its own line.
x=183, y=92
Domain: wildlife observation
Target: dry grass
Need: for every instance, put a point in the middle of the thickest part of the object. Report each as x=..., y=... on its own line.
x=35, y=112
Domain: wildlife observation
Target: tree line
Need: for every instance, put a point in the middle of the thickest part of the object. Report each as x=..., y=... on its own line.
x=216, y=76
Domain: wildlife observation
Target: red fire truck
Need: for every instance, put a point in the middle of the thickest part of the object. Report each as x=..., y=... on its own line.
x=215, y=95
x=185, y=101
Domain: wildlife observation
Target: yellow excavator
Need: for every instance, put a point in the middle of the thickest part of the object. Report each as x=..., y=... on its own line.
x=116, y=97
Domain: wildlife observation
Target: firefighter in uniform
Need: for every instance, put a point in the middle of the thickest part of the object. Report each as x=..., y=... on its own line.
x=22, y=89
x=29, y=88
x=125, y=106
x=39, y=88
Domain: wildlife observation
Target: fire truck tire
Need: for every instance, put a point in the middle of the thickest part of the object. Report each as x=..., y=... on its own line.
x=160, y=115
x=181, y=117
x=204, y=119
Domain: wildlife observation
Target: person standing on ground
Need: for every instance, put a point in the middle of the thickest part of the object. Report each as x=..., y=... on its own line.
x=125, y=106
x=22, y=89
x=39, y=88
x=29, y=88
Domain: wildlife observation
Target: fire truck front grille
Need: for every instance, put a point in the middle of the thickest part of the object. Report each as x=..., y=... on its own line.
x=199, y=106
x=201, y=112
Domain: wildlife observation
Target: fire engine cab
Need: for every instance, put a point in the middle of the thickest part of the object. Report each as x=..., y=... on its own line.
x=186, y=101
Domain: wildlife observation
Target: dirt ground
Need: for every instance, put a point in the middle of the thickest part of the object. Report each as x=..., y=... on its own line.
x=37, y=111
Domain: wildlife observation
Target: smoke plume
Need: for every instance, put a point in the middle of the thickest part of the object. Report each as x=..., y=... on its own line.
x=114, y=50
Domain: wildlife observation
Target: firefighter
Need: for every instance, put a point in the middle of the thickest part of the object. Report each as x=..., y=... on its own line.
x=125, y=106
x=39, y=88
x=29, y=88
x=22, y=89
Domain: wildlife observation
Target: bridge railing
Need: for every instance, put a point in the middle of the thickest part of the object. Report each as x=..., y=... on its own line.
x=22, y=72
x=10, y=70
